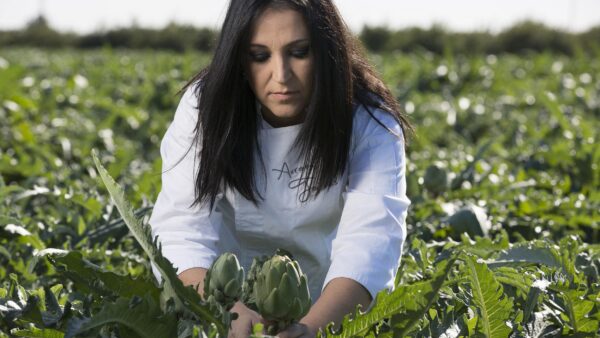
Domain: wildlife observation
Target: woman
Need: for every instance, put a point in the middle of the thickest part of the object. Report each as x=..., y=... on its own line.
x=288, y=139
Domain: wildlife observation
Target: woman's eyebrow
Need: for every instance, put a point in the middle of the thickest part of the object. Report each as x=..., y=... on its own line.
x=289, y=44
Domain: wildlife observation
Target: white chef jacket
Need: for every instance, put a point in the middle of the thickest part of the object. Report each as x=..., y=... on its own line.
x=356, y=229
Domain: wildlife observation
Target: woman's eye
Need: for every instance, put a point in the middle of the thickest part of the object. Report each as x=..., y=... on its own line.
x=301, y=53
x=261, y=57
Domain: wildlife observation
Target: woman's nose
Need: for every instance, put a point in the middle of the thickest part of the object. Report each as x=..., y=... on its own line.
x=281, y=70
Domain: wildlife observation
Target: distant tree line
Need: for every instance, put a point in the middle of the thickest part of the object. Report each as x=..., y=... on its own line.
x=175, y=37
x=521, y=38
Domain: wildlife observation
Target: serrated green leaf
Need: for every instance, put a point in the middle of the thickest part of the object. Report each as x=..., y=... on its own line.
x=539, y=327
x=53, y=312
x=483, y=247
x=89, y=277
x=421, y=299
x=494, y=307
x=408, y=302
x=577, y=308
x=531, y=303
x=444, y=322
x=527, y=253
x=184, y=297
x=145, y=318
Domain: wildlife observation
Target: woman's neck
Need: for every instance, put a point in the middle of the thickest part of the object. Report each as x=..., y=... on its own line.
x=279, y=122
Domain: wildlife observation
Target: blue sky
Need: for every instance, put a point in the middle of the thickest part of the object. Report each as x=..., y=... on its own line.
x=460, y=15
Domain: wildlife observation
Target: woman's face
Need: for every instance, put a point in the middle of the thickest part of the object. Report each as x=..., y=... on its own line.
x=280, y=60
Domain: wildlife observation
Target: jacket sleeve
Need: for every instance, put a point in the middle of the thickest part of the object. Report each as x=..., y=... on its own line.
x=187, y=235
x=371, y=233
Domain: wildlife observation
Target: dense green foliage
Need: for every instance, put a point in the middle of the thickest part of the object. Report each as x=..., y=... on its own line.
x=517, y=138
x=523, y=37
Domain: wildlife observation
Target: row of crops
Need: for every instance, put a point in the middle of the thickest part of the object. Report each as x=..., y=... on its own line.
x=503, y=175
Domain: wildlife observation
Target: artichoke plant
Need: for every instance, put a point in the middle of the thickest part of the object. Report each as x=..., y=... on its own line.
x=471, y=219
x=281, y=292
x=223, y=281
x=435, y=179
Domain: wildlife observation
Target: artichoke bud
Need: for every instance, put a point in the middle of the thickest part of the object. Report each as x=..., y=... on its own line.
x=249, y=297
x=435, y=179
x=471, y=219
x=281, y=290
x=224, y=280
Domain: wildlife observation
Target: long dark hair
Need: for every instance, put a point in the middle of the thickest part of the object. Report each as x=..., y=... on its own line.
x=227, y=122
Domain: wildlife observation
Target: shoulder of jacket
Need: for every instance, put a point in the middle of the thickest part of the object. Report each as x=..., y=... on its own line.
x=191, y=93
x=370, y=121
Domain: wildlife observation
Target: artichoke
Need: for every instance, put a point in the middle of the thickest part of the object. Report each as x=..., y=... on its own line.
x=281, y=292
x=470, y=219
x=435, y=179
x=223, y=281
x=248, y=297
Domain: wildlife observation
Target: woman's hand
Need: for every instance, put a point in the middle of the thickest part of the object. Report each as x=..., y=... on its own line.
x=242, y=326
x=298, y=330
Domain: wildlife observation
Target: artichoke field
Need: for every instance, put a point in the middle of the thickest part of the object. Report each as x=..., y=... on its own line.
x=503, y=230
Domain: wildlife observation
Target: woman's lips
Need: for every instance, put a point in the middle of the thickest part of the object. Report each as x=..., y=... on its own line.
x=286, y=96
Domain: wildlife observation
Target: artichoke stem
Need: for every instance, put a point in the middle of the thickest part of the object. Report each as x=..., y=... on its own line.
x=277, y=327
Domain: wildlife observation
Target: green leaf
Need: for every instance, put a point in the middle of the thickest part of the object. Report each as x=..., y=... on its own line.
x=34, y=332
x=53, y=312
x=28, y=312
x=513, y=277
x=494, y=307
x=407, y=303
x=422, y=299
x=443, y=322
x=184, y=297
x=23, y=236
x=576, y=308
x=539, y=327
x=114, y=228
x=483, y=246
x=89, y=277
x=141, y=315
x=56, y=289
x=467, y=174
x=4, y=252
x=527, y=253
x=531, y=303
